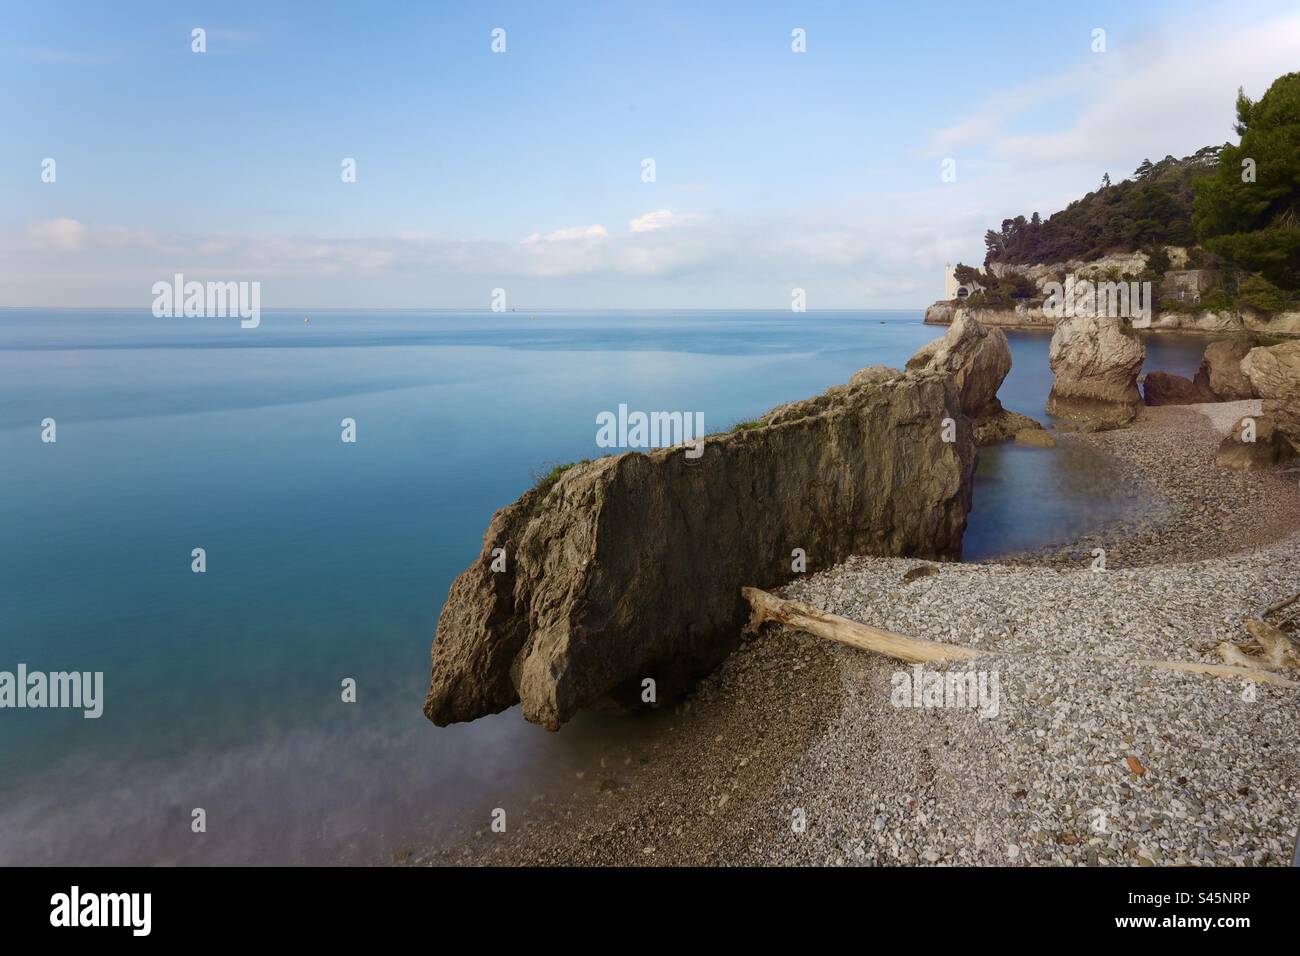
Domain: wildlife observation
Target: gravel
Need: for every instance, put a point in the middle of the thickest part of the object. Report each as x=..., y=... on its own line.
x=1223, y=415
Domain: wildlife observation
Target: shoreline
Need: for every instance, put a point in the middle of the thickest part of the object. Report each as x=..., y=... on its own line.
x=794, y=722
x=1050, y=326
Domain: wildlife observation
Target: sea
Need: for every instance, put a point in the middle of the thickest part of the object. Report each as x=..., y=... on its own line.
x=326, y=561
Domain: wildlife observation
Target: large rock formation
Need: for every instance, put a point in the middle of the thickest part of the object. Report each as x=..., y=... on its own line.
x=1221, y=372
x=629, y=567
x=1253, y=443
x=977, y=360
x=1165, y=388
x=1274, y=374
x=1096, y=361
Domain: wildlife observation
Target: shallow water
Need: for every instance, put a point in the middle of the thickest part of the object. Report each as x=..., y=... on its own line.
x=329, y=560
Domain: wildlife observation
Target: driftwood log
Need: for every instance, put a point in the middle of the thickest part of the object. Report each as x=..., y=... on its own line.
x=803, y=617
x=1283, y=604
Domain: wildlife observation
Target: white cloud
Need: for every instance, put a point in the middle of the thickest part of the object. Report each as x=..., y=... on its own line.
x=659, y=219
x=64, y=234
x=1171, y=92
x=572, y=234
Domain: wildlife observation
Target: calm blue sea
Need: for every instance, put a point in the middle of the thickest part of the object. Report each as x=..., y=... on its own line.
x=328, y=560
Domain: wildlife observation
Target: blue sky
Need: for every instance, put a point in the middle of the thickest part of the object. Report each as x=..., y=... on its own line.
x=522, y=170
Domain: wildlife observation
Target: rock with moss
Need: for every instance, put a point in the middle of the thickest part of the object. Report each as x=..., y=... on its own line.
x=1037, y=437
x=628, y=569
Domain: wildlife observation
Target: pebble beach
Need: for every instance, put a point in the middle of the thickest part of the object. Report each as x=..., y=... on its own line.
x=797, y=751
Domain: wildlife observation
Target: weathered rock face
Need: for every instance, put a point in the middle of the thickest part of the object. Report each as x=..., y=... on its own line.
x=1252, y=444
x=940, y=313
x=977, y=360
x=870, y=375
x=1096, y=361
x=1274, y=374
x=1022, y=316
x=630, y=567
x=1221, y=371
x=1165, y=388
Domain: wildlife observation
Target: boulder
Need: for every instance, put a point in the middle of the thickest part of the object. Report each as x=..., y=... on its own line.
x=1095, y=360
x=629, y=567
x=977, y=360
x=1254, y=443
x=1221, y=371
x=1274, y=374
x=1035, y=438
x=1165, y=388
x=1000, y=427
x=873, y=374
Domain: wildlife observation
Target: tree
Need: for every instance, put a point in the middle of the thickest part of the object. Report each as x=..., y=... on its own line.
x=993, y=247
x=1248, y=209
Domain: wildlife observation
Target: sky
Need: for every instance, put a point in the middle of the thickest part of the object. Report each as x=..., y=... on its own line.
x=524, y=170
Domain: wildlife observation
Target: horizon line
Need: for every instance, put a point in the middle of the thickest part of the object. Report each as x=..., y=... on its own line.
x=513, y=311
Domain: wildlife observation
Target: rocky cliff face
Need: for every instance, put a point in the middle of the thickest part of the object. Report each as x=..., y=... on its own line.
x=1095, y=361
x=1021, y=317
x=1204, y=320
x=629, y=568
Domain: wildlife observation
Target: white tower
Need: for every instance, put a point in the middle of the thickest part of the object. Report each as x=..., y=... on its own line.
x=949, y=282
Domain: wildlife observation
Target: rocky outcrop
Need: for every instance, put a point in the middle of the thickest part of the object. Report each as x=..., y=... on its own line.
x=1003, y=426
x=1254, y=443
x=1126, y=265
x=977, y=360
x=1165, y=388
x=629, y=568
x=940, y=313
x=1228, y=321
x=1095, y=361
x=1221, y=372
x=1038, y=437
x=1023, y=316
x=1274, y=374
x=871, y=375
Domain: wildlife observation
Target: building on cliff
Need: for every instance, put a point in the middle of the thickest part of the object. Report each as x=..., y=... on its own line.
x=952, y=289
